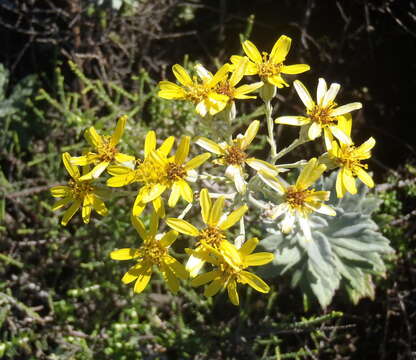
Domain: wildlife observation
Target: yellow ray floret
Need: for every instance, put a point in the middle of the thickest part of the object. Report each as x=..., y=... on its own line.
x=230, y=266
x=81, y=193
x=213, y=233
x=233, y=155
x=154, y=252
x=322, y=116
x=270, y=67
x=298, y=201
x=158, y=172
x=201, y=92
x=349, y=159
x=106, y=151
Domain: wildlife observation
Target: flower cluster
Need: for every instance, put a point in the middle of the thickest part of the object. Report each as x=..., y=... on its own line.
x=158, y=176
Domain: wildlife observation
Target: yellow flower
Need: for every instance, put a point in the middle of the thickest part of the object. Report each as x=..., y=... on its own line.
x=201, y=93
x=227, y=86
x=234, y=156
x=213, y=233
x=298, y=201
x=82, y=194
x=322, y=115
x=270, y=67
x=230, y=268
x=147, y=172
x=107, y=152
x=153, y=252
x=157, y=173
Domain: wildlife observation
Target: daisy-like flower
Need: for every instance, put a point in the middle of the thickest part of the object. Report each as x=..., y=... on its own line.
x=106, y=151
x=228, y=86
x=158, y=172
x=81, y=193
x=270, y=67
x=230, y=265
x=201, y=93
x=213, y=234
x=298, y=201
x=154, y=252
x=147, y=172
x=322, y=115
x=234, y=156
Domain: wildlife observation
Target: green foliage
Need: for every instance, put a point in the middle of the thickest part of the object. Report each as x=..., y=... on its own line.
x=346, y=252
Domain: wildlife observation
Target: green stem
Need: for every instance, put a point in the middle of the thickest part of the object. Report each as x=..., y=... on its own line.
x=288, y=149
x=270, y=127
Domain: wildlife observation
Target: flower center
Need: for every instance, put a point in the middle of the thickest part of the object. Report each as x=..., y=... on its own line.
x=235, y=155
x=322, y=115
x=212, y=236
x=175, y=172
x=150, y=172
x=296, y=198
x=268, y=68
x=107, y=151
x=225, y=88
x=347, y=159
x=80, y=188
x=153, y=252
x=197, y=92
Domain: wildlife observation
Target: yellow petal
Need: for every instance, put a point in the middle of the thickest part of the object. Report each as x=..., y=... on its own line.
x=280, y=49
x=216, y=211
x=261, y=165
x=239, y=93
x=70, y=212
x=304, y=94
x=174, y=195
x=151, y=192
x=139, y=226
x=348, y=181
x=219, y=75
x=169, y=238
x=121, y=180
x=124, y=254
x=81, y=160
x=250, y=134
x=133, y=273
x=214, y=287
x=365, y=147
x=232, y=292
x=96, y=171
x=171, y=91
x=293, y=120
x=182, y=226
x=234, y=217
x=340, y=186
x=314, y=131
x=176, y=267
x=321, y=91
x=272, y=181
x=345, y=109
x=239, y=71
x=295, y=69
x=60, y=191
x=197, y=161
x=249, y=246
x=251, y=68
x=61, y=203
x=182, y=76
x=205, y=201
x=93, y=138
x=166, y=146
x=252, y=52
x=159, y=207
x=142, y=280
x=309, y=174
x=72, y=169
x=340, y=135
x=121, y=123
x=364, y=177
x=330, y=95
x=99, y=206
x=149, y=143
x=254, y=281
x=345, y=124
x=124, y=158
x=209, y=145
x=186, y=191
x=258, y=259
x=205, y=278
x=171, y=281
x=183, y=150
